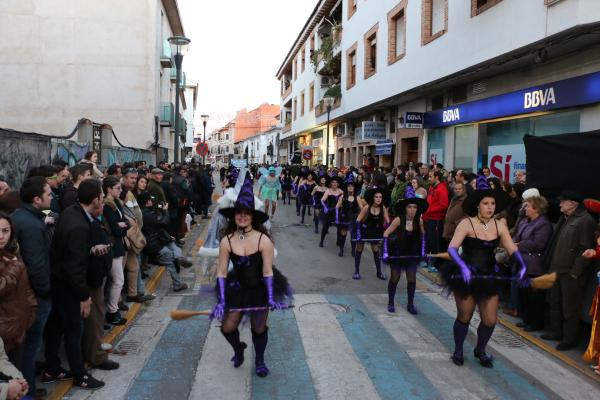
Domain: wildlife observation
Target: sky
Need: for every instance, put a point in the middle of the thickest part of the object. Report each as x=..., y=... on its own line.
x=236, y=48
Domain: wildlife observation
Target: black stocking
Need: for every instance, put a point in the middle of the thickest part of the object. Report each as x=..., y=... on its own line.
x=393, y=284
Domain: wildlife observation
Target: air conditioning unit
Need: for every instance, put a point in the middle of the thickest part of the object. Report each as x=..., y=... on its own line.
x=326, y=81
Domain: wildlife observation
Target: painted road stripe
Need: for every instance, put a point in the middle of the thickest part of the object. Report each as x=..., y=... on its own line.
x=171, y=369
x=290, y=376
x=538, y=365
x=426, y=351
x=507, y=380
x=336, y=370
x=390, y=368
x=216, y=375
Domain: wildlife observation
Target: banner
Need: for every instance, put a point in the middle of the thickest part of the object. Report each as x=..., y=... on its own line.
x=374, y=130
x=384, y=147
x=436, y=156
x=505, y=160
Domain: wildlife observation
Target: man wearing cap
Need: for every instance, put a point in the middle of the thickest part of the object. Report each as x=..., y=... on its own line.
x=154, y=187
x=573, y=235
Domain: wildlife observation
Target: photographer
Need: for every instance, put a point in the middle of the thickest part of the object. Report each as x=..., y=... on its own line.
x=160, y=245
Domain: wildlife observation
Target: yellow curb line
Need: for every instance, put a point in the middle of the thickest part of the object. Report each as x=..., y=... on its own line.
x=62, y=388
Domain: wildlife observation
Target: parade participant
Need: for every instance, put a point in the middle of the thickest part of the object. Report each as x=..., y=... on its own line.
x=349, y=210
x=592, y=353
x=407, y=248
x=472, y=278
x=253, y=282
x=330, y=211
x=369, y=227
x=299, y=180
x=317, y=194
x=269, y=188
x=305, y=194
x=286, y=186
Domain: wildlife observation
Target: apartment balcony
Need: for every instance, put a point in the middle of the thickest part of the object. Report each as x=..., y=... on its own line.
x=174, y=77
x=320, y=109
x=286, y=92
x=166, y=57
x=167, y=114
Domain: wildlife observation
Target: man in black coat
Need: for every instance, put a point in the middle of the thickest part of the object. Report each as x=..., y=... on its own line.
x=71, y=255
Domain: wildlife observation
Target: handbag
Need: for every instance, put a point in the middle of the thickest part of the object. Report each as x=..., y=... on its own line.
x=135, y=237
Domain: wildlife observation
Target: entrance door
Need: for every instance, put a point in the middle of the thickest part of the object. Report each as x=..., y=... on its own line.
x=412, y=150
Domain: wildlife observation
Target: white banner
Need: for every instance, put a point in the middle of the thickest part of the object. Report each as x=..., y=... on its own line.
x=505, y=160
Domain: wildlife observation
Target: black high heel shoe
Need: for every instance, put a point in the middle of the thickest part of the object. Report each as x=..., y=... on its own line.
x=457, y=360
x=238, y=358
x=485, y=360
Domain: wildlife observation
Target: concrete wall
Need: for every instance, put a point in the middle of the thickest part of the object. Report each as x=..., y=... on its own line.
x=20, y=152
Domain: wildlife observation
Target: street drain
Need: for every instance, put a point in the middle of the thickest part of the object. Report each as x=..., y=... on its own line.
x=130, y=346
x=319, y=307
x=507, y=339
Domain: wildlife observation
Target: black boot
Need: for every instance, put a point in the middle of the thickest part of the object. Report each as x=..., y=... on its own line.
x=316, y=221
x=357, y=256
x=380, y=274
x=260, y=344
x=238, y=347
x=341, y=244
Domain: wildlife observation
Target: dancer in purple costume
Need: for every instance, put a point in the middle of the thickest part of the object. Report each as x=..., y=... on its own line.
x=405, y=240
x=329, y=203
x=370, y=225
x=305, y=194
x=349, y=208
x=253, y=282
x=317, y=194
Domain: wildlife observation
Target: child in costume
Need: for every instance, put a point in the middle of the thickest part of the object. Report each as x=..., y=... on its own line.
x=370, y=225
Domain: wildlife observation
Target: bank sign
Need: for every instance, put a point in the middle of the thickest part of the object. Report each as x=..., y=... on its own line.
x=374, y=130
x=506, y=160
x=571, y=92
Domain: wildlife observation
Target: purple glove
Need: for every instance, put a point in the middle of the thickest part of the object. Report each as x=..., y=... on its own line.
x=325, y=208
x=337, y=216
x=422, y=245
x=358, y=237
x=522, y=280
x=464, y=268
x=386, y=256
x=270, y=299
x=219, y=310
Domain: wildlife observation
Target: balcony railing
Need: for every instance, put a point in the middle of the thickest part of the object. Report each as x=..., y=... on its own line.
x=321, y=109
x=166, y=57
x=167, y=114
x=287, y=91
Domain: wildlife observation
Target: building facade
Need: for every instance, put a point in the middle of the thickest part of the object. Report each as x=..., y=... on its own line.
x=415, y=75
x=62, y=61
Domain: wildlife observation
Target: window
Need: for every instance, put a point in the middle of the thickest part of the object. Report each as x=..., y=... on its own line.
x=311, y=96
x=295, y=68
x=397, y=32
x=295, y=111
x=479, y=6
x=434, y=20
x=371, y=52
x=303, y=58
x=302, y=102
x=351, y=66
x=351, y=8
x=312, y=45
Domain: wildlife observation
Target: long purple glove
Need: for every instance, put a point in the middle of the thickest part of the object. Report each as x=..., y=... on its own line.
x=325, y=208
x=270, y=298
x=386, y=255
x=358, y=237
x=522, y=280
x=337, y=216
x=219, y=310
x=422, y=245
x=464, y=268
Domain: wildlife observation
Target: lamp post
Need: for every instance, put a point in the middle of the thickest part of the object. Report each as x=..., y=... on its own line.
x=179, y=46
x=204, y=121
x=328, y=101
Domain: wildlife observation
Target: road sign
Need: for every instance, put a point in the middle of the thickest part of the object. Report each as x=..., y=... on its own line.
x=307, y=154
x=202, y=149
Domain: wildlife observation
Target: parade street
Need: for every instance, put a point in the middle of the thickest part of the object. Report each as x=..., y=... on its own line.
x=338, y=342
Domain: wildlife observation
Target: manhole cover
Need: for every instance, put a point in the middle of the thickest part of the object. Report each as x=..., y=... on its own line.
x=508, y=340
x=130, y=346
x=319, y=307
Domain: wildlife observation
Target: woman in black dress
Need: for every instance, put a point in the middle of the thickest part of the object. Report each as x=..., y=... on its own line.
x=253, y=286
x=349, y=208
x=305, y=194
x=317, y=194
x=329, y=202
x=370, y=225
x=286, y=185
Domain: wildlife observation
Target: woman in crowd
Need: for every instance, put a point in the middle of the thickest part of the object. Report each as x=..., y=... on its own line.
x=253, y=282
x=472, y=277
x=329, y=202
x=407, y=246
x=117, y=226
x=417, y=184
x=140, y=186
x=91, y=157
x=349, y=209
x=317, y=194
x=18, y=305
x=370, y=225
x=532, y=236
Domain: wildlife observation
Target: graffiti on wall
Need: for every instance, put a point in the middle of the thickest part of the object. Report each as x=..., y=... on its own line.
x=71, y=152
x=19, y=153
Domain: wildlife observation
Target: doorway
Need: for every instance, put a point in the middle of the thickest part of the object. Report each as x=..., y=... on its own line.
x=411, y=146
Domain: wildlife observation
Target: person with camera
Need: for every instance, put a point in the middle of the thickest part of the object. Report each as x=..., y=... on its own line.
x=160, y=245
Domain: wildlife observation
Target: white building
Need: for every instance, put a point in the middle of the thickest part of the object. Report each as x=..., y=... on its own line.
x=220, y=143
x=262, y=148
x=110, y=62
x=444, y=59
x=190, y=100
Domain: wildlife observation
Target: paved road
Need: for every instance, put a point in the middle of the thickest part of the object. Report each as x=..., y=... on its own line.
x=339, y=342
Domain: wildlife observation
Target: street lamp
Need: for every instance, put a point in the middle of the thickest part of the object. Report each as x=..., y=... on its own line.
x=328, y=101
x=204, y=121
x=179, y=46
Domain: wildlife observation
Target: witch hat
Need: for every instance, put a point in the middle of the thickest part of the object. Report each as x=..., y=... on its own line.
x=410, y=198
x=482, y=191
x=245, y=201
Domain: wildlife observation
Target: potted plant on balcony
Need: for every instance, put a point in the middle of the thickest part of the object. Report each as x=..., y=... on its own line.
x=330, y=40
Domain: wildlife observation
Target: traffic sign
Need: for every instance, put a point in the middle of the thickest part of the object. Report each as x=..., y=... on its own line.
x=307, y=154
x=202, y=149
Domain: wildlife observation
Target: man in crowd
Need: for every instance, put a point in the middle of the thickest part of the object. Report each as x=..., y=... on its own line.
x=438, y=199
x=34, y=246
x=154, y=187
x=574, y=233
x=455, y=211
x=79, y=173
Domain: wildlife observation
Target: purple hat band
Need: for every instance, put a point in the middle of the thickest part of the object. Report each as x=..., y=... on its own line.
x=409, y=193
x=482, y=183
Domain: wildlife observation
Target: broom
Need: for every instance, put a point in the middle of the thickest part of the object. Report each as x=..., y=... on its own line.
x=541, y=282
x=179, y=315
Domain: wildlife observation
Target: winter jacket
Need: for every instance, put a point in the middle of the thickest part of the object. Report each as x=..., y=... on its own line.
x=18, y=305
x=532, y=238
x=454, y=215
x=156, y=222
x=34, y=246
x=113, y=214
x=155, y=189
x=437, y=198
x=68, y=198
x=7, y=370
x=99, y=266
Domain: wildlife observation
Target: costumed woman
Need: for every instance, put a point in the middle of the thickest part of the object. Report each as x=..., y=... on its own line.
x=317, y=194
x=270, y=187
x=473, y=277
x=370, y=225
x=305, y=194
x=298, y=182
x=349, y=208
x=592, y=353
x=253, y=283
x=406, y=247
x=286, y=186
x=329, y=202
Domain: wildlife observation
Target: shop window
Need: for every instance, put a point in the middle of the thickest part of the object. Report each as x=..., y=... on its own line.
x=351, y=7
x=434, y=20
x=302, y=102
x=311, y=96
x=436, y=142
x=303, y=59
x=351, y=66
x=464, y=147
x=370, y=41
x=397, y=32
x=479, y=6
